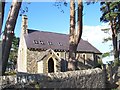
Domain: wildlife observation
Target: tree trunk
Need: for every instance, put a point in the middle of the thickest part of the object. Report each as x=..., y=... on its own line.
x=72, y=45
x=72, y=54
x=114, y=33
x=74, y=37
x=79, y=22
x=2, y=7
x=114, y=40
x=118, y=50
x=9, y=32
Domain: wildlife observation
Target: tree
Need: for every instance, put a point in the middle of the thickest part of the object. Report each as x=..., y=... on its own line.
x=2, y=7
x=75, y=35
x=14, y=50
x=9, y=32
x=111, y=14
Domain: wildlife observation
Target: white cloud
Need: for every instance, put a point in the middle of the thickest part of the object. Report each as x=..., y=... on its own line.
x=107, y=59
x=95, y=36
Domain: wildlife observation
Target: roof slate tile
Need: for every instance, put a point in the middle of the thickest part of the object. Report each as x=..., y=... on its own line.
x=55, y=38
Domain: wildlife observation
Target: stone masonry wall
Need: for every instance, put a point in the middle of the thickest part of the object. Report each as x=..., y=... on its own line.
x=91, y=78
x=32, y=57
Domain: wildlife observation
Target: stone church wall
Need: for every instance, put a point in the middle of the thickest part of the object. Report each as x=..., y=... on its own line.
x=32, y=57
x=91, y=78
x=32, y=64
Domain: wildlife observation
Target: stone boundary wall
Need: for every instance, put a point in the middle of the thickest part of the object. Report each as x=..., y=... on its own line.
x=91, y=78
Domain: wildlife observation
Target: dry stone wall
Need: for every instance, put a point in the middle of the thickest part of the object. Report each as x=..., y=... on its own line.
x=92, y=78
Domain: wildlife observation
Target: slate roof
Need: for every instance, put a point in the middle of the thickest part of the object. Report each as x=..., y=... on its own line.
x=56, y=41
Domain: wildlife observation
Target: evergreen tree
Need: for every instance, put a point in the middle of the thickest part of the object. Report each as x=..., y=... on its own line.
x=111, y=14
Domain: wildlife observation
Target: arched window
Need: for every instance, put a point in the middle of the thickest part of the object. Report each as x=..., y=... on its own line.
x=84, y=58
x=50, y=65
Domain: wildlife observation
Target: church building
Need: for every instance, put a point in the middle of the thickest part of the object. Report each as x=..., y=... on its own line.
x=46, y=52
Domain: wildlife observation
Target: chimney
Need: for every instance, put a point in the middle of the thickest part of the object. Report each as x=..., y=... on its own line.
x=24, y=24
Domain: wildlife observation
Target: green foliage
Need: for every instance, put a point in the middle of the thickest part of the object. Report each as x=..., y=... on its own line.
x=106, y=30
x=105, y=54
x=107, y=39
x=99, y=64
x=15, y=43
x=37, y=86
x=14, y=50
x=10, y=73
x=110, y=63
x=116, y=63
x=110, y=11
x=114, y=89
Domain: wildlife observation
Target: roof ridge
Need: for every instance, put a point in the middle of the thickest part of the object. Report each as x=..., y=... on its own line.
x=47, y=31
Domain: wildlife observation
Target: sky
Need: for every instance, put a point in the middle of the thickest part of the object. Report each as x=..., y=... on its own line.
x=45, y=16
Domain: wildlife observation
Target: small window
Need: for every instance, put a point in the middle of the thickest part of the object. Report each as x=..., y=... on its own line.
x=58, y=54
x=49, y=43
x=41, y=42
x=35, y=42
x=83, y=56
x=60, y=44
